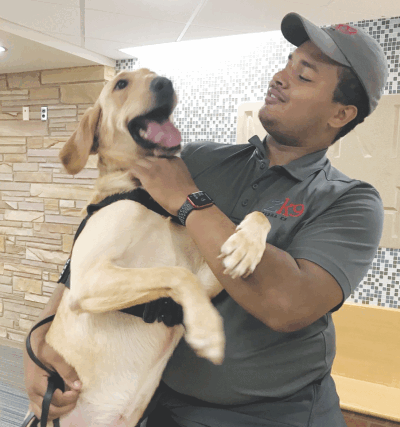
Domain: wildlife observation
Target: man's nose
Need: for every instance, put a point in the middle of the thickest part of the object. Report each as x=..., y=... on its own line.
x=281, y=78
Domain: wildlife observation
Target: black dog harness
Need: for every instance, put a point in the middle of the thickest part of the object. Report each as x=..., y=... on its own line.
x=163, y=310
x=145, y=311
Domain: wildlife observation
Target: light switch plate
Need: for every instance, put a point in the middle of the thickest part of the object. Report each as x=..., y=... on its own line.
x=43, y=113
x=25, y=113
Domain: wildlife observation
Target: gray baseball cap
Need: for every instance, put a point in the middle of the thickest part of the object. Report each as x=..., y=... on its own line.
x=350, y=46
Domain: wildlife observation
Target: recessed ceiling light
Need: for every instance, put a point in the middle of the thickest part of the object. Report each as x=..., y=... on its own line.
x=2, y=49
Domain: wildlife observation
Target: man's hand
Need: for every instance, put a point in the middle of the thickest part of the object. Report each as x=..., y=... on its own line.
x=168, y=181
x=36, y=381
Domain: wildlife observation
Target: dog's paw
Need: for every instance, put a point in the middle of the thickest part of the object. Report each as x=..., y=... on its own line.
x=242, y=252
x=205, y=334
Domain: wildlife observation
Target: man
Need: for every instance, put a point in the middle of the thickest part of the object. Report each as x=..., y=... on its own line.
x=325, y=232
x=326, y=227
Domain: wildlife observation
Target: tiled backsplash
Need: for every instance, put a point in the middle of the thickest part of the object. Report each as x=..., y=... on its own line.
x=210, y=91
x=381, y=284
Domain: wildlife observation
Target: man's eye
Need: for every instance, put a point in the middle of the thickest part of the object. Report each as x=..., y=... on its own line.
x=121, y=84
x=302, y=78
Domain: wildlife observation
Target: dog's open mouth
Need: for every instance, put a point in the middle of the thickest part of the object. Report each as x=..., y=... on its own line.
x=155, y=130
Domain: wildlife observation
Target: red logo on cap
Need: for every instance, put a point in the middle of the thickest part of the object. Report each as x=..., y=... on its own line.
x=346, y=29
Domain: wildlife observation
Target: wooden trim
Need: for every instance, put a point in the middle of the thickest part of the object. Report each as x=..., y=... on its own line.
x=368, y=344
x=368, y=398
x=366, y=369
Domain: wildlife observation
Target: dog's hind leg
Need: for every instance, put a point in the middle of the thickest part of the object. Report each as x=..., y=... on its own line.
x=109, y=287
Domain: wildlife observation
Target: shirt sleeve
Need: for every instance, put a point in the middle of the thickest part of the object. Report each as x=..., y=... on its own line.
x=203, y=155
x=198, y=156
x=344, y=239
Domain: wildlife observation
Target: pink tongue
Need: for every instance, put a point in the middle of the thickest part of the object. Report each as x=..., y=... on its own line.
x=165, y=134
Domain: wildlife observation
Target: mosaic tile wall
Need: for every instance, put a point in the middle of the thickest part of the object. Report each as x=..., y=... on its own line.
x=210, y=88
x=381, y=284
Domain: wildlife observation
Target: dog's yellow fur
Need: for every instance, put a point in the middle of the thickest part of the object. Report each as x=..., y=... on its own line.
x=128, y=255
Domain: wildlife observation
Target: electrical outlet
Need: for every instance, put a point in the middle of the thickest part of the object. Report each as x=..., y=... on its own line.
x=43, y=113
x=25, y=113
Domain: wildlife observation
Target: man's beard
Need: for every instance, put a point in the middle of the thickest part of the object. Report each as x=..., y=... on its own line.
x=280, y=137
x=285, y=140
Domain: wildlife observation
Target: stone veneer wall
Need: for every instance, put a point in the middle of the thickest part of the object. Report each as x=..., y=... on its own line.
x=39, y=203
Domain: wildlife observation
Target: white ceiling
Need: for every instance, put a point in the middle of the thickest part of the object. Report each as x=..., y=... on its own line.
x=26, y=55
x=45, y=34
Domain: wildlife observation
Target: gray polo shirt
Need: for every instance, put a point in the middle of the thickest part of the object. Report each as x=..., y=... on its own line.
x=316, y=213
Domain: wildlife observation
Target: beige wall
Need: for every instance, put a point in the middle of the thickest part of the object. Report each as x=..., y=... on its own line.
x=39, y=203
x=371, y=153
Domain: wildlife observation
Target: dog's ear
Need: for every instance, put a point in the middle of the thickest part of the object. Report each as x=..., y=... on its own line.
x=83, y=142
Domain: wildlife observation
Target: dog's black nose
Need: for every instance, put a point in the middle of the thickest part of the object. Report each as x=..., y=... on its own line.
x=162, y=88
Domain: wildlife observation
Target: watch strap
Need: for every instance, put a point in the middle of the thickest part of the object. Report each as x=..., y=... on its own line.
x=190, y=204
x=184, y=211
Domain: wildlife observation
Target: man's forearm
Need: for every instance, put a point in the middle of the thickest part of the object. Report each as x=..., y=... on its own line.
x=50, y=308
x=267, y=292
x=37, y=338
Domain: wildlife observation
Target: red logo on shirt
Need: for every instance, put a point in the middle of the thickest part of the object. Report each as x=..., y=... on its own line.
x=346, y=29
x=291, y=209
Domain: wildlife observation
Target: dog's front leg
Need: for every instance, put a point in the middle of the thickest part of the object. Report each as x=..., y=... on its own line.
x=110, y=287
x=243, y=251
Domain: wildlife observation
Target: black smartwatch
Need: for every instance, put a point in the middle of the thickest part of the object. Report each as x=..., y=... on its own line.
x=198, y=200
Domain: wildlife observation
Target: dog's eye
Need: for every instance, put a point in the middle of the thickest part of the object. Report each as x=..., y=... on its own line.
x=121, y=84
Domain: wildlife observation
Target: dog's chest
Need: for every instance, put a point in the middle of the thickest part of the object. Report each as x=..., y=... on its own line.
x=161, y=243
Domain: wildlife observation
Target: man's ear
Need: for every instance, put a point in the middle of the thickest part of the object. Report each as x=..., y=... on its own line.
x=344, y=114
x=83, y=141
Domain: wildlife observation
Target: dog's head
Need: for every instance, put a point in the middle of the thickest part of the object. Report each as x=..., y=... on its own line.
x=131, y=119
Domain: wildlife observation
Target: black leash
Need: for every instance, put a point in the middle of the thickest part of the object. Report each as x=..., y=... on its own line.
x=31, y=416
x=54, y=382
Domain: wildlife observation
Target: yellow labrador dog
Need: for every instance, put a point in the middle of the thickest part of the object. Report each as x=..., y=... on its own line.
x=129, y=255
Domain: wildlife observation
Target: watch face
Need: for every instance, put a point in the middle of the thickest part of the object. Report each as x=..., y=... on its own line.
x=200, y=199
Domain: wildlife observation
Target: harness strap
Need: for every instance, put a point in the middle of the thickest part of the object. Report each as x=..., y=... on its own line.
x=163, y=310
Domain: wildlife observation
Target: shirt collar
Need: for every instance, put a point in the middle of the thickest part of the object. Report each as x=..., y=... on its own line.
x=256, y=141
x=300, y=168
